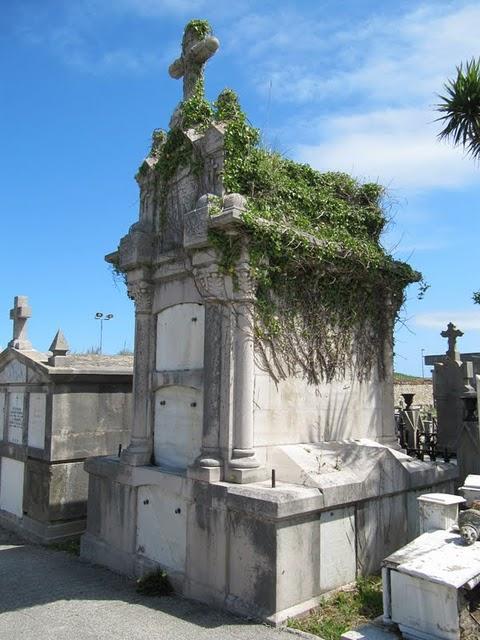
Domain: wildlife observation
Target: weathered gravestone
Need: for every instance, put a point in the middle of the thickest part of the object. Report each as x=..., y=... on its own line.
x=452, y=380
x=55, y=411
x=240, y=368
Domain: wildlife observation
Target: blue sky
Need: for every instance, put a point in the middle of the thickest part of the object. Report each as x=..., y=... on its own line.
x=342, y=85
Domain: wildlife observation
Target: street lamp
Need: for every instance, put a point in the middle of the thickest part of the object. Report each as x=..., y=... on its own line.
x=102, y=317
x=423, y=376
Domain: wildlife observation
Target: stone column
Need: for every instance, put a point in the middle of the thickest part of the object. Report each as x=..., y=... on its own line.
x=243, y=452
x=139, y=451
x=208, y=466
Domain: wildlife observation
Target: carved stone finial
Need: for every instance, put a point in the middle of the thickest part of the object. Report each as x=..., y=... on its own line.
x=59, y=348
x=196, y=50
x=20, y=314
x=452, y=333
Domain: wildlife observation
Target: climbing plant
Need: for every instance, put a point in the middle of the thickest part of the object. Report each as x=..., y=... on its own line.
x=327, y=291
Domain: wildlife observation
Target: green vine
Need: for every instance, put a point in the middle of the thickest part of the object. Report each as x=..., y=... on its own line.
x=201, y=28
x=327, y=292
x=197, y=112
x=176, y=151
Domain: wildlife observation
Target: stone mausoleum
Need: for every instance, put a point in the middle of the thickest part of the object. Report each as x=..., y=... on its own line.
x=227, y=391
x=55, y=410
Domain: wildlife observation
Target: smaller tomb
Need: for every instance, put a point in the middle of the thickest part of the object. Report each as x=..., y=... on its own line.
x=55, y=411
x=431, y=587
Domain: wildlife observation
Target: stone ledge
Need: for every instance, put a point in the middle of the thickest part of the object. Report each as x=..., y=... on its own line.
x=283, y=501
x=371, y=632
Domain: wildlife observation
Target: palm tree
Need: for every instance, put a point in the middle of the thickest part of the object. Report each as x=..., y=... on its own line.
x=460, y=107
x=461, y=114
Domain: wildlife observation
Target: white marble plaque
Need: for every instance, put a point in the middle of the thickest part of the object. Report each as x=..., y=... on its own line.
x=2, y=413
x=178, y=426
x=11, y=486
x=16, y=417
x=36, y=420
x=162, y=526
x=180, y=336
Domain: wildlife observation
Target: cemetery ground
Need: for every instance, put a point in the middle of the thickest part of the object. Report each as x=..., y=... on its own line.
x=346, y=609
x=47, y=594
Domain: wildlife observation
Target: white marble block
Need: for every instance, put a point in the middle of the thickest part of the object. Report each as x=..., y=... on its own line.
x=438, y=511
x=471, y=489
x=36, y=420
x=11, y=486
x=426, y=585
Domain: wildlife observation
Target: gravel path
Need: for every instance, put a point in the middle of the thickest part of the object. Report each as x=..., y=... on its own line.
x=50, y=595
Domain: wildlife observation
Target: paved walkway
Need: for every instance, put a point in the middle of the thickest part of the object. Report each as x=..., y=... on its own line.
x=50, y=595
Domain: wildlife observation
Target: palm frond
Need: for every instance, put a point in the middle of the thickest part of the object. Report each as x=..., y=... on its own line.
x=460, y=106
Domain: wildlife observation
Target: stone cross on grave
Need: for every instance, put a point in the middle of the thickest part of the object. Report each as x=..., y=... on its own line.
x=452, y=333
x=196, y=50
x=20, y=314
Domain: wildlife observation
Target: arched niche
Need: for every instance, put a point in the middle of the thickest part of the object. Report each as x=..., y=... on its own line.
x=178, y=426
x=180, y=337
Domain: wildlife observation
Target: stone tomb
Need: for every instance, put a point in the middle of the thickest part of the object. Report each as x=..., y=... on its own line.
x=192, y=492
x=430, y=586
x=55, y=411
x=452, y=379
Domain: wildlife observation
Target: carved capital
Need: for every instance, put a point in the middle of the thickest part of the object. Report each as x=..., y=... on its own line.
x=215, y=285
x=245, y=284
x=211, y=283
x=141, y=292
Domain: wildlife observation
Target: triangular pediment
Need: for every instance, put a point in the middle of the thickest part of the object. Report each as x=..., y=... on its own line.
x=19, y=368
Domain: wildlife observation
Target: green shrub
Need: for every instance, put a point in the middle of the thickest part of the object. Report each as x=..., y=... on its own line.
x=155, y=583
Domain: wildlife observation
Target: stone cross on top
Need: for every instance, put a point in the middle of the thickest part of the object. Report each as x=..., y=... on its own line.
x=20, y=314
x=196, y=50
x=452, y=333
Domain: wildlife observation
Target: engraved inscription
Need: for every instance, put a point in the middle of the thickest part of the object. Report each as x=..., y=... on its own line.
x=16, y=417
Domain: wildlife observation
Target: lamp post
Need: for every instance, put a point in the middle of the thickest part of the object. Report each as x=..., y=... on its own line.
x=423, y=373
x=102, y=317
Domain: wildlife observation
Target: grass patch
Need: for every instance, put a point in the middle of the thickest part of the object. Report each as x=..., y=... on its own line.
x=69, y=546
x=155, y=583
x=343, y=611
x=405, y=377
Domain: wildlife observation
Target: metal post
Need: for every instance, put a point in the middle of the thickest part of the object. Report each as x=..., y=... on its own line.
x=102, y=317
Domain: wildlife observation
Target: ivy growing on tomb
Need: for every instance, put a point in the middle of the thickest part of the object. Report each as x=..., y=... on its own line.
x=327, y=291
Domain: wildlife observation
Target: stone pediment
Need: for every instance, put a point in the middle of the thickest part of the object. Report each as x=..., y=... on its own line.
x=32, y=367
x=22, y=368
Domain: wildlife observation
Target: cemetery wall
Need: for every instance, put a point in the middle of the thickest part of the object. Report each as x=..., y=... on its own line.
x=423, y=391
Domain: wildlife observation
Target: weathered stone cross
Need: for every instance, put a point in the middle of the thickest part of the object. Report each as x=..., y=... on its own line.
x=195, y=53
x=20, y=314
x=452, y=333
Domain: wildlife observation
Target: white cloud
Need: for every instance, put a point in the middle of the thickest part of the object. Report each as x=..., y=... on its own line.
x=155, y=8
x=397, y=147
x=383, y=74
x=464, y=320
x=396, y=58
x=413, y=247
